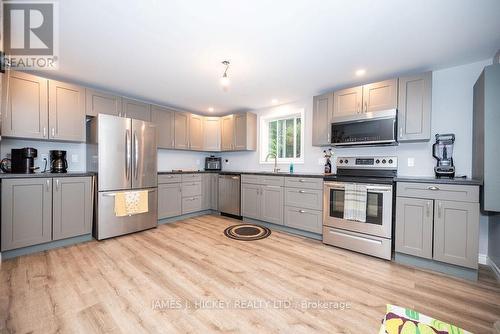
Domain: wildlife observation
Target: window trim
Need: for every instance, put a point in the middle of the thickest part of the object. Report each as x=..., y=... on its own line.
x=264, y=136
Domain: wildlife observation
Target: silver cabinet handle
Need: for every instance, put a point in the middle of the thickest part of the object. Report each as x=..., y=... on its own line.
x=128, y=154
x=57, y=184
x=302, y=211
x=180, y=188
x=432, y=188
x=302, y=180
x=428, y=208
x=358, y=109
x=400, y=132
x=440, y=209
x=235, y=178
x=366, y=106
x=53, y=132
x=47, y=184
x=44, y=132
x=302, y=191
x=136, y=154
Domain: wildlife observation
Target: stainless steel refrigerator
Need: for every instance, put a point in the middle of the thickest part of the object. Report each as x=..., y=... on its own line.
x=123, y=153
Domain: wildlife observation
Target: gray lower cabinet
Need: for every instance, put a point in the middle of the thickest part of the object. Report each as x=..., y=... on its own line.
x=26, y=212
x=304, y=219
x=456, y=233
x=251, y=201
x=414, y=107
x=72, y=201
x=439, y=222
x=414, y=226
x=169, y=200
x=214, y=196
x=272, y=204
x=206, y=191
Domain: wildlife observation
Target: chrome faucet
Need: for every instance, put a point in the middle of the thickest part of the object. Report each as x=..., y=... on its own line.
x=273, y=155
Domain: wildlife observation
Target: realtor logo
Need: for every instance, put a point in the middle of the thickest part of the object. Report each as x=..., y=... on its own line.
x=30, y=34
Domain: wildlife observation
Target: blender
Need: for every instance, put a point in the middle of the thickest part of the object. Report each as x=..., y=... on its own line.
x=442, y=151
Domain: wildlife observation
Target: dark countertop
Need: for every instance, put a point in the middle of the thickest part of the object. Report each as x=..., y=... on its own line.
x=230, y=172
x=24, y=176
x=430, y=179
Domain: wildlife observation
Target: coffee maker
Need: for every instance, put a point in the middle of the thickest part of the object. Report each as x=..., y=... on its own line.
x=442, y=151
x=23, y=160
x=58, y=162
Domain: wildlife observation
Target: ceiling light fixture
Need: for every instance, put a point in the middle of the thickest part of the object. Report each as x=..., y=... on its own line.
x=211, y=109
x=360, y=72
x=224, y=81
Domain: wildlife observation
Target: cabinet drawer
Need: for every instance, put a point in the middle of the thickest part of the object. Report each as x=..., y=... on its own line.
x=301, y=182
x=307, y=220
x=169, y=178
x=372, y=245
x=190, y=189
x=191, y=204
x=449, y=192
x=272, y=180
x=191, y=177
x=247, y=178
x=304, y=198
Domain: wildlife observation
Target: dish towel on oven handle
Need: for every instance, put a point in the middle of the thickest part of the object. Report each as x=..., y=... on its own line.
x=355, y=202
x=128, y=203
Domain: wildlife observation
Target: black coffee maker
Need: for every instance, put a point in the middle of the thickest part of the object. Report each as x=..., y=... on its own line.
x=58, y=162
x=23, y=160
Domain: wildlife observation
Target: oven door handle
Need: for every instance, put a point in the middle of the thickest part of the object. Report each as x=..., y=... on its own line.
x=337, y=186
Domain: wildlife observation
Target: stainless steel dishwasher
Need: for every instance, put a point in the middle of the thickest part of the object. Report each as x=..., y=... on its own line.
x=229, y=194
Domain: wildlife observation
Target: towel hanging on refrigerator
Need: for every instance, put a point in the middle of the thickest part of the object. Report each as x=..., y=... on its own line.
x=128, y=203
x=355, y=196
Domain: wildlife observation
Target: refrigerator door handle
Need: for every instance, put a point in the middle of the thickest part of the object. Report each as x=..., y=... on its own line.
x=128, y=154
x=136, y=155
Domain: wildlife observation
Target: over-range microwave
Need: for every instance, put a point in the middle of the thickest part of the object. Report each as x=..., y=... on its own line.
x=372, y=128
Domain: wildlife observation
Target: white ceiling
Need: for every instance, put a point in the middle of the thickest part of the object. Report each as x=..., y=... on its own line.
x=169, y=52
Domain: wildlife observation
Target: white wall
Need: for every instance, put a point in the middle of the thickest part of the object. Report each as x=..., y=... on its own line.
x=74, y=150
x=186, y=160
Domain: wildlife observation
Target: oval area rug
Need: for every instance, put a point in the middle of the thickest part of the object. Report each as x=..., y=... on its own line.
x=247, y=232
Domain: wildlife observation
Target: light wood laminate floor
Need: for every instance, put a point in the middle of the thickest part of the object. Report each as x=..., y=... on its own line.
x=142, y=283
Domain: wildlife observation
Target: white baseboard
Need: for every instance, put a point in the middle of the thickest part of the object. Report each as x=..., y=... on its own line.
x=483, y=259
x=495, y=269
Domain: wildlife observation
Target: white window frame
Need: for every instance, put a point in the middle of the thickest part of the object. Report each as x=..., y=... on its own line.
x=281, y=114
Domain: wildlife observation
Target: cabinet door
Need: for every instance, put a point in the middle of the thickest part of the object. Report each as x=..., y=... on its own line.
x=26, y=212
x=211, y=134
x=169, y=200
x=456, y=233
x=206, y=191
x=24, y=106
x=272, y=204
x=251, y=201
x=102, y=103
x=71, y=207
x=214, y=199
x=322, y=118
x=380, y=96
x=165, y=126
x=240, y=132
x=196, y=132
x=414, y=107
x=136, y=110
x=347, y=102
x=227, y=131
x=414, y=226
x=66, y=111
x=181, y=133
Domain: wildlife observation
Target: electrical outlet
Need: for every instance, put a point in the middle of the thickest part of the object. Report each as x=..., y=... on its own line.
x=75, y=158
x=411, y=162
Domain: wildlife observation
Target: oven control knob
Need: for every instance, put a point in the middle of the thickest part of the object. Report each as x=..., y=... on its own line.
x=341, y=161
x=390, y=161
x=346, y=161
x=383, y=161
x=377, y=161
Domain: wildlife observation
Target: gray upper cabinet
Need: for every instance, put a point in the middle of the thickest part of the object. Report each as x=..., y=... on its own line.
x=165, y=126
x=227, y=133
x=98, y=102
x=347, y=102
x=136, y=109
x=72, y=211
x=169, y=200
x=414, y=107
x=26, y=212
x=272, y=204
x=414, y=221
x=322, y=118
x=181, y=134
x=195, y=132
x=24, y=106
x=456, y=233
x=380, y=96
x=211, y=134
x=66, y=111
x=245, y=132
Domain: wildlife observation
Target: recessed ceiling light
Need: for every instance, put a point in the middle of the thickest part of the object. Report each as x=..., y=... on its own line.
x=360, y=72
x=211, y=109
x=274, y=101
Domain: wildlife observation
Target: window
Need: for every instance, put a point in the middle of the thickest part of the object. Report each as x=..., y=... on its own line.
x=282, y=137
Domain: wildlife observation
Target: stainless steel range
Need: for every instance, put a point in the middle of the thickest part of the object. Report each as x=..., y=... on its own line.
x=358, y=205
